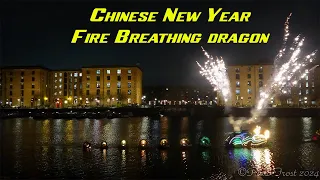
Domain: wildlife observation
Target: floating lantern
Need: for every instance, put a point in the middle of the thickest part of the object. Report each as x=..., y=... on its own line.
x=86, y=146
x=164, y=143
x=184, y=142
x=104, y=145
x=143, y=143
x=205, y=141
x=123, y=144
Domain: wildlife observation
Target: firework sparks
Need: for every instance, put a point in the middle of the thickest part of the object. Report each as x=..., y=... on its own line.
x=215, y=72
x=290, y=67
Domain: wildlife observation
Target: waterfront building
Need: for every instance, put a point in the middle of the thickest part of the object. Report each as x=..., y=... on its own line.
x=88, y=86
x=179, y=95
x=66, y=88
x=112, y=85
x=25, y=86
x=247, y=82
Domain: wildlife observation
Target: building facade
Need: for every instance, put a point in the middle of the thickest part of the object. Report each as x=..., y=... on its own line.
x=179, y=95
x=247, y=81
x=96, y=86
x=25, y=86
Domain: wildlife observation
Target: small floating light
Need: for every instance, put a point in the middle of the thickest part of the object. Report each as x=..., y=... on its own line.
x=164, y=143
x=205, y=141
x=184, y=142
x=143, y=143
x=123, y=143
x=104, y=145
x=86, y=146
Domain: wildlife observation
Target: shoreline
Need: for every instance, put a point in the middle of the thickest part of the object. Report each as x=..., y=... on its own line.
x=178, y=111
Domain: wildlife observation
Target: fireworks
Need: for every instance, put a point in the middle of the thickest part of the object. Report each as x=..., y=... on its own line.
x=290, y=67
x=215, y=72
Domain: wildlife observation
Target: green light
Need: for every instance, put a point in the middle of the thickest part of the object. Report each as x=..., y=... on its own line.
x=205, y=141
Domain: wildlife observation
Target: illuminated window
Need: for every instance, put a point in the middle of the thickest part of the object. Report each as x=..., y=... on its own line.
x=249, y=91
x=249, y=83
x=98, y=71
x=129, y=91
x=55, y=75
x=60, y=74
x=307, y=78
x=307, y=91
x=312, y=84
x=60, y=80
x=108, y=85
x=88, y=85
x=249, y=68
x=119, y=71
x=129, y=71
x=129, y=84
x=75, y=74
x=307, y=84
x=237, y=84
x=119, y=84
x=80, y=74
x=260, y=69
x=98, y=84
x=237, y=91
x=108, y=71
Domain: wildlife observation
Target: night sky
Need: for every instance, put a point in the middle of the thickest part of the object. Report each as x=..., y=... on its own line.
x=40, y=34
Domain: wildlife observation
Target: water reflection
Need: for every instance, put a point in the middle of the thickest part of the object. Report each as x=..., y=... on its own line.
x=164, y=155
x=52, y=148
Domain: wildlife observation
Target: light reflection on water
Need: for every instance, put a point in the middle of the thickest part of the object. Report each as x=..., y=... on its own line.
x=53, y=148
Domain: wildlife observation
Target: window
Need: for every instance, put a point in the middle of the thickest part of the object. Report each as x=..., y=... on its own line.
x=237, y=84
x=33, y=78
x=32, y=92
x=307, y=84
x=129, y=84
x=80, y=74
x=307, y=91
x=60, y=80
x=118, y=91
x=55, y=74
x=300, y=92
x=238, y=76
x=98, y=78
x=98, y=84
x=119, y=71
x=129, y=77
x=32, y=85
x=33, y=72
x=108, y=71
x=22, y=92
x=22, y=86
x=249, y=83
x=60, y=86
x=98, y=71
x=312, y=84
x=60, y=92
x=98, y=92
x=108, y=78
x=108, y=85
x=249, y=68
x=11, y=86
x=60, y=74
x=119, y=78
x=129, y=91
x=11, y=79
x=249, y=91
x=75, y=86
x=260, y=76
x=237, y=91
x=10, y=93
x=260, y=83
x=300, y=85
x=71, y=74
x=108, y=92
x=88, y=78
x=129, y=71
x=88, y=85
x=260, y=69
x=88, y=72
x=87, y=92
x=75, y=74
x=307, y=78
x=119, y=84
x=237, y=70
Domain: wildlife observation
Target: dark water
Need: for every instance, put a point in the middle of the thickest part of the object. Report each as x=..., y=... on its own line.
x=53, y=148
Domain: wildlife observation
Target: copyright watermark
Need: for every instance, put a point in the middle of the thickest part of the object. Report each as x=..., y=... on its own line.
x=278, y=172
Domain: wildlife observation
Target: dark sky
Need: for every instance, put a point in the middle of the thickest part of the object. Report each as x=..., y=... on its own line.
x=40, y=34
